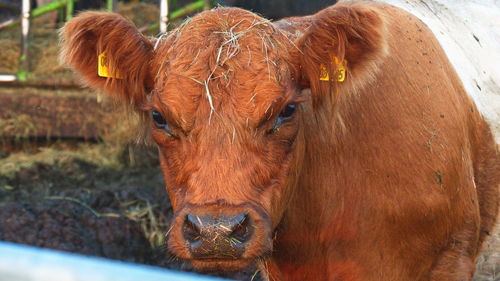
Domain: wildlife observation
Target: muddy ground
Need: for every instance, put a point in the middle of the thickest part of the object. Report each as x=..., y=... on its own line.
x=60, y=199
x=95, y=199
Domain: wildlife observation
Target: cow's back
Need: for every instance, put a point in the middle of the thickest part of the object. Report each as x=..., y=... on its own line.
x=470, y=35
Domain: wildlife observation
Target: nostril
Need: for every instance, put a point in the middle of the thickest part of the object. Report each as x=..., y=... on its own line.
x=217, y=237
x=240, y=231
x=191, y=228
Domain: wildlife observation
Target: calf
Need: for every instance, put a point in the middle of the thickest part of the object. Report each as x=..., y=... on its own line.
x=338, y=146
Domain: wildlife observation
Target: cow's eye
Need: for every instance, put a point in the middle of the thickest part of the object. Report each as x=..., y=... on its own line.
x=288, y=112
x=161, y=123
x=285, y=115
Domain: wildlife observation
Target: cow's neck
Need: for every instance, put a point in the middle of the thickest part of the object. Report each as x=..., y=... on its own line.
x=319, y=215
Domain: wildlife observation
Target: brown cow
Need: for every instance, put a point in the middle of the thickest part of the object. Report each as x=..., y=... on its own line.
x=340, y=146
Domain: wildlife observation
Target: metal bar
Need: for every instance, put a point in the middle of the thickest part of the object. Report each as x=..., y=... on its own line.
x=163, y=16
x=8, y=22
x=25, y=263
x=7, y=78
x=25, y=29
x=70, y=7
x=186, y=10
x=47, y=8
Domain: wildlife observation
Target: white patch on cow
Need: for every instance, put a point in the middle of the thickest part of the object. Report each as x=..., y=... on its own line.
x=469, y=32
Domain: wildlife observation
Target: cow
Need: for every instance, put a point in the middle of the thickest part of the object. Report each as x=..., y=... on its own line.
x=336, y=146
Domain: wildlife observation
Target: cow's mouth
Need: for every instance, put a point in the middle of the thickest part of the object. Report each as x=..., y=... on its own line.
x=232, y=268
x=221, y=265
x=228, y=264
x=239, y=269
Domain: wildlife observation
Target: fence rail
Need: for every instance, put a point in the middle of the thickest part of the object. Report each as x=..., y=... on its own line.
x=25, y=263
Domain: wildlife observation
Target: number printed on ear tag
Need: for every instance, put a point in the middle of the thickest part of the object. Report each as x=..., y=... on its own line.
x=340, y=73
x=103, y=67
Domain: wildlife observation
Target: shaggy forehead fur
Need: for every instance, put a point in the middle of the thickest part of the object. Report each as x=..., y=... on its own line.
x=223, y=64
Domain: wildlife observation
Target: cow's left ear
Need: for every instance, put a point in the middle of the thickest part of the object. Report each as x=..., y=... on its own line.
x=342, y=47
x=110, y=55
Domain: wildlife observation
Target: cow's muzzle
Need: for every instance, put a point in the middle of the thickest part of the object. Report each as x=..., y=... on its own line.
x=217, y=237
x=220, y=237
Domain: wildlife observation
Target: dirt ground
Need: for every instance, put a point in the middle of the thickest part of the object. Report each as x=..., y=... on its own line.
x=56, y=198
x=90, y=198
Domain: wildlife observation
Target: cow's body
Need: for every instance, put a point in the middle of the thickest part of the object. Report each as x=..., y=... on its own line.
x=469, y=32
x=391, y=174
x=398, y=174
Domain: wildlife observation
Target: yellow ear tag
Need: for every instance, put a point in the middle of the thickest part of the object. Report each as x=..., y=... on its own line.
x=103, y=67
x=340, y=74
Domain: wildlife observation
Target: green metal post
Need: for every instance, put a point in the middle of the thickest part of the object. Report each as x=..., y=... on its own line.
x=111, y=5
x=186, y=10
x=70, y=6
x=47, y=8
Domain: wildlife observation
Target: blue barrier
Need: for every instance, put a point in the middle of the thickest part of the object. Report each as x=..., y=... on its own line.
x=26, y=263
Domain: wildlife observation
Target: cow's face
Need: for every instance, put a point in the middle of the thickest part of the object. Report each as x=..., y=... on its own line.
x=225, y=113
x=223, y=95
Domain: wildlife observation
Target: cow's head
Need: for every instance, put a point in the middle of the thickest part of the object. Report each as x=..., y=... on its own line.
x=226, y=106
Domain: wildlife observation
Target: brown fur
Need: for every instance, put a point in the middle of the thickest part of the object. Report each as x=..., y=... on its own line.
x=390, y=175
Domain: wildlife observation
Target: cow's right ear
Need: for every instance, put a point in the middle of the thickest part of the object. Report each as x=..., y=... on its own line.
x=341, y=48
x=109, y=54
